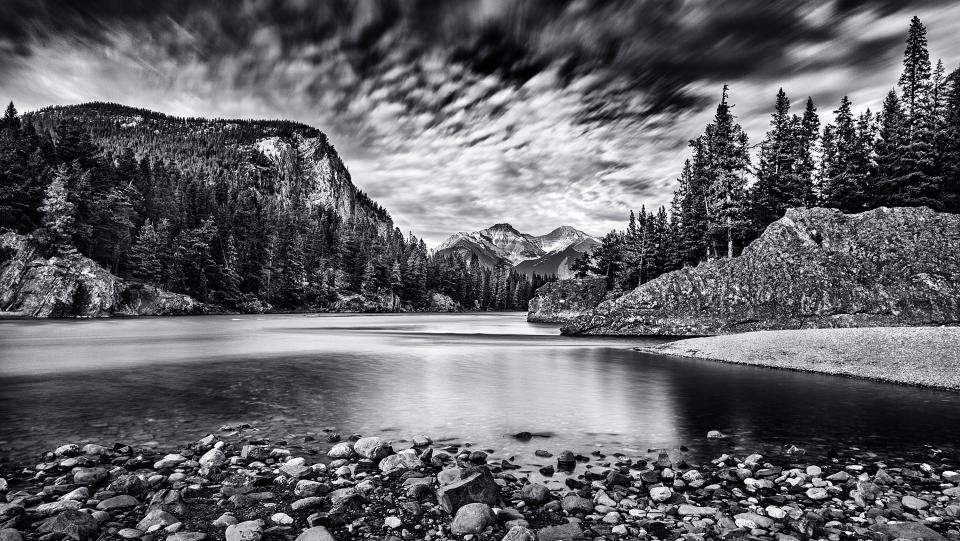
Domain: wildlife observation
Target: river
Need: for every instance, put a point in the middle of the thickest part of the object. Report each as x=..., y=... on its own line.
x=459, y=378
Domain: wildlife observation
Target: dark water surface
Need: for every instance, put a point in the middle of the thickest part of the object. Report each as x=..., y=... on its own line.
x=465, y=377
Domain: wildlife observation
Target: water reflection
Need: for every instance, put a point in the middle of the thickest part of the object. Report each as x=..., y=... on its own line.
x=473, y=378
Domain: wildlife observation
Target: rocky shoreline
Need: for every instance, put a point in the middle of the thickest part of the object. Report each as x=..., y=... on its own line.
x=236, y=486
x=922, y=356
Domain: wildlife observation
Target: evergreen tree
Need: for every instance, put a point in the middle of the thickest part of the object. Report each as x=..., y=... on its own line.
x=728, y=163
x=915, y=79
x=58, y=212
x=779, y=185
x=145, y=263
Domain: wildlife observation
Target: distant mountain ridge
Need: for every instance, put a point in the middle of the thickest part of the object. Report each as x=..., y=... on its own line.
x=552, y=253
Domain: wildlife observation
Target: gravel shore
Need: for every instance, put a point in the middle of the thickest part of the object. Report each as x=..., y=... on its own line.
x=235, y=486
x=927, y=356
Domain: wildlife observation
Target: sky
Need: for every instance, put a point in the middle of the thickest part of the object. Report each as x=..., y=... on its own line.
x=455, y=115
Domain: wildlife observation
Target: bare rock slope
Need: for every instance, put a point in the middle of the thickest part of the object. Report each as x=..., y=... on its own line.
x=557, y=302
x=813, y=268
x=34, y=284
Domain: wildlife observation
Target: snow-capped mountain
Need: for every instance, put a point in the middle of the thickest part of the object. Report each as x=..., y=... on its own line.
x=502, y=243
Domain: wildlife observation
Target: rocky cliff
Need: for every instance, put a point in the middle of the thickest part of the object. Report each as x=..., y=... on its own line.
x=33, y=284
x=812, y=268
x=561, y=301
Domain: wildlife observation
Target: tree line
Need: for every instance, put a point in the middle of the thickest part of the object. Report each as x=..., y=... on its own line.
x=190, y=206
x=907, y=154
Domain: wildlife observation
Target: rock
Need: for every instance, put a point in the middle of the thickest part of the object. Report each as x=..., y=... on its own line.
x=308, y=488
x=35, y=285
x=281, y=518
x=812, y=268
x=251, y=530
x=440, y=302
x=371, y=447
x=130, y=533
x=660, y=494
x=170, y=501
x=472, y=518
x=306, y=503
x=47, y=509
x=392, y=522
x=574, y=503
x=214, y=458
x=94, y=449
x=90, y=476
x=130, y=484
x=564, y=532
x=404, y=460
x=908, y=530
x=123, y=501
x=715, y=435
x=79, y=494
x=563, y=300
x=9, y=534
x=71, y=523
x=156, y=517
x=519, y=533
x=421, y=441
x=535, y=493
x=340, y=450
x=317, y=533
x=693, y=510
x=187, y=536
x=478, y=487
x=169, y=461
x=817, y=493
x=224, y=520
x=914, y=503
x=752, y=520
x=814, y=471
x=70, y=449
x=255, y=452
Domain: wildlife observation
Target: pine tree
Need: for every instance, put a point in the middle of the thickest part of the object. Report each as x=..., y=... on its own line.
x=728, y=162
x=891, y=140
x=841, y=181
x=145, y=263
x=949, y=144
x=11, y=121
x=915, y=79
x=778, y=184
x=805, y=160
x=58, y=212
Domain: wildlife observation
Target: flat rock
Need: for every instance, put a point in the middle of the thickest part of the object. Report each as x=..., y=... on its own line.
x=156, y=517
x=693, y=510
x=563, y=532
x=71, y=523
x=187, y=536
x=908, y=530
x=123, y=501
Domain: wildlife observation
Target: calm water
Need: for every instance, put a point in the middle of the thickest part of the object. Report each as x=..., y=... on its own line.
x=458, y=378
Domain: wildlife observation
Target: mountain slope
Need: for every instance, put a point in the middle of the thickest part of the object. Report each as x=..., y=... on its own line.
x=279, y=159
x=528, y=254
x=813, y=268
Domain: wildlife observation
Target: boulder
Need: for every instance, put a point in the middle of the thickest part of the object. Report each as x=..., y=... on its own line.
x=340, y=450
x=71, y=523
x=519, y=533
x=472, y=518
x=371, y=447
x=813, y=268
x=478, y=487
x=317, y=533
x=251, y=530
x=214, y=458
x=575, y=503
x=535, y=493
x=404, y=460
x=563, y=300
x=907, y=530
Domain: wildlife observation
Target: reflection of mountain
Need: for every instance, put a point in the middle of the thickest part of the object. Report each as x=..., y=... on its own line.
x=552, y=253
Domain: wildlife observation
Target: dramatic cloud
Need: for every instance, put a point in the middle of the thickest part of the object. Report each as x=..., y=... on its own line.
x=459, y=114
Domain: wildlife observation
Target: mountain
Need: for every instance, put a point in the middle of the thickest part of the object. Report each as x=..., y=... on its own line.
x=527, y=254
x=109, y=209
x=813, y=268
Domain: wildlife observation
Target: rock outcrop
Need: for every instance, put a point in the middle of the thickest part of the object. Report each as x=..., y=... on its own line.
x=561, y=301
x=33, y=284
x=813, y=268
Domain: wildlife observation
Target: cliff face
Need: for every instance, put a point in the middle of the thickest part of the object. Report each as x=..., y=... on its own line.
x=561, y=301
x=812, y=268
x=34, y=285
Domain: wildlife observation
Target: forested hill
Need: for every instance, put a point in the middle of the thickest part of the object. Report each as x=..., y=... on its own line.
x=248, y=215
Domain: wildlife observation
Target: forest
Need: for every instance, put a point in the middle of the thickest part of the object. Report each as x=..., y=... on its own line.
x=180, y=204
x=907, y=154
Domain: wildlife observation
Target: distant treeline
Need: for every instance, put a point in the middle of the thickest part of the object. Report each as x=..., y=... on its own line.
x=908, y=154
x=189, y=205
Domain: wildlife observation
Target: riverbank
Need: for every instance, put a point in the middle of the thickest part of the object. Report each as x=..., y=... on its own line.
x=925, y=356
x=238, y=486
